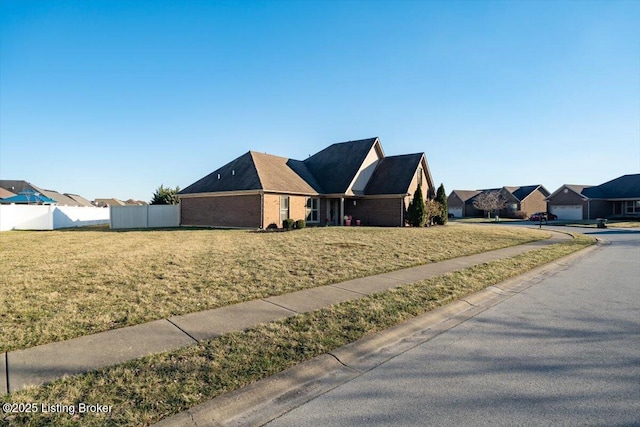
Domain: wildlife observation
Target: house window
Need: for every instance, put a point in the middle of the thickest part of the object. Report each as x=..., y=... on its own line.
x=313, y=209
x=420, y=175
x=284, y=208
x=632, y=206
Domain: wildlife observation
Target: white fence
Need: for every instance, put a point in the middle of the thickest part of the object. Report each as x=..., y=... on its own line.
x=148, y=216
x=50, y=217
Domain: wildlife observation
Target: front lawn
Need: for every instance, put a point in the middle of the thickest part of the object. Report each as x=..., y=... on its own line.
x=143, y=391
x=58, y=285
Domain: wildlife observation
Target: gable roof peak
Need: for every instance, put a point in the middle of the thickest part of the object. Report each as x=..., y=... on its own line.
x=337, y=166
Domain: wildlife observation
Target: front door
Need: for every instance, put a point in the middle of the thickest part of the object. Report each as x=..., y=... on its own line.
x=332, y=215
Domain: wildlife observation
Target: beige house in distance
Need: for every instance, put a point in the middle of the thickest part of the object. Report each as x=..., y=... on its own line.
x=345, y=180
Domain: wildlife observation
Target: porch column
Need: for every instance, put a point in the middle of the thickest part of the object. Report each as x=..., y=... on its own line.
x=341, y=210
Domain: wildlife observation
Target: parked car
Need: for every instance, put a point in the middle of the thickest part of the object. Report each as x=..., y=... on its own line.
x=546, y=216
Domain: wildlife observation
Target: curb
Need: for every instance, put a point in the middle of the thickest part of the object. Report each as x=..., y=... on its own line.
x=48, y=362
x=272, y=397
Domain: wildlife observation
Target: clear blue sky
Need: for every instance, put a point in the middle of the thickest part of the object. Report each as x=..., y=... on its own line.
x=113, y=98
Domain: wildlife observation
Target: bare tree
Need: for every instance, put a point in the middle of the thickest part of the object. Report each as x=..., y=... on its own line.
x=489, y=201
x=433, y=209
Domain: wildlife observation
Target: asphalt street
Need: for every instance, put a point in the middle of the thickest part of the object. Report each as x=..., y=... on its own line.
x=563, y=352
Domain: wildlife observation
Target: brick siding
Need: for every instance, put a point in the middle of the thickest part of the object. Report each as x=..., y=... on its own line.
x=534, y=203
x=222, y=211
x=376, y=212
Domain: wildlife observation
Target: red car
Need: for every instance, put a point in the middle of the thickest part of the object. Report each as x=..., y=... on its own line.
x=546, y=216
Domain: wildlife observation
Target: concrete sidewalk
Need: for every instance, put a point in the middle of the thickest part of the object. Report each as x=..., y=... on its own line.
x=37, y=365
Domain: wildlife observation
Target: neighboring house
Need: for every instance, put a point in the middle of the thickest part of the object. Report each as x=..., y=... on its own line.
x=19, y=186
x=458, y=206
x=568, y=202
x=6, y=193
x=81, y=201
x=527, y=199
x=28, y=197
x=132, y=202
x=349, y=179
x=101, y=203
x=618, y=198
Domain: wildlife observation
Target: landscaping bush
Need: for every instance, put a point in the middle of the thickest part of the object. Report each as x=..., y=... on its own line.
x=288, y=224
x=519, y=215
x=441, y=198
x=301, y=223
x=416, y=212
x=272, y=226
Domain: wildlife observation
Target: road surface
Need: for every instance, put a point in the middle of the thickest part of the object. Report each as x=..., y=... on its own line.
x=564, y=352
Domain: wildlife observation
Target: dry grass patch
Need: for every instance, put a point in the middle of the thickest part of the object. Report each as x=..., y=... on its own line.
x=63, y=284
x=146, y=390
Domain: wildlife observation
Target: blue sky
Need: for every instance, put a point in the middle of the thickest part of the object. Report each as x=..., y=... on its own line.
x=113, y=98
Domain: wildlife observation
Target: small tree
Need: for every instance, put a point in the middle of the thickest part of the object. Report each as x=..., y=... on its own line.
x=165, y=196
x=433, y=209
x=441, y=197
x=489, y=201
x=416, y=213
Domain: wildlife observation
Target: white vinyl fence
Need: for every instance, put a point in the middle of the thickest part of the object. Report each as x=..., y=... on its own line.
x=50, y=217
x=148, y=216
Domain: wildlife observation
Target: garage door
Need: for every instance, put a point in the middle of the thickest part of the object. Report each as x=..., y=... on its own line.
x=567, y=211
x=457, y=212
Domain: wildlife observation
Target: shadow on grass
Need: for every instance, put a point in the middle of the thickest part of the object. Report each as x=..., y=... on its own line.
x=106, y=229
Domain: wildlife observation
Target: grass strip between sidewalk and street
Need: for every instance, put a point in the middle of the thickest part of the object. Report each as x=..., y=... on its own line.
x=146, y=390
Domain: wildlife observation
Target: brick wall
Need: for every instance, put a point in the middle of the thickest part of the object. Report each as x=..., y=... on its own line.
x=454, y=201
x=534, y=203
x=272, y=210
x=297, y=208
x=377, y=212
x=568, y=199
x=600, y=209
x=222, y=211
x=425, y=186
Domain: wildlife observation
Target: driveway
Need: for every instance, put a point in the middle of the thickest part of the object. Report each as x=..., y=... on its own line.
x=564, y=352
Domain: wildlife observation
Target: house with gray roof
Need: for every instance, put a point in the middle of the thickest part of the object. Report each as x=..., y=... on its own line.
x=353, y=179
x=618, y=198
x=523, y=200
x=460, y=203
x=25, y=187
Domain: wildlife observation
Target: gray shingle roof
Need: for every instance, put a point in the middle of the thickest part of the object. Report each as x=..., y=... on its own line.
x=256, y=171
x=60, y=198
x=523, y=192
x=237, y=175
x=336, y=166
x=624, y=187
x=393, y=174
x=81, y=201
x=465, y=195
x=330, y=171
x=577, y=188
x=17, y=186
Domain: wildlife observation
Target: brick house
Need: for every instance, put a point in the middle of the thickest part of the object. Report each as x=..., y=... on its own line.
x=460, y=203
x=349, y=179
x=618, y=198
x=527, y=199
